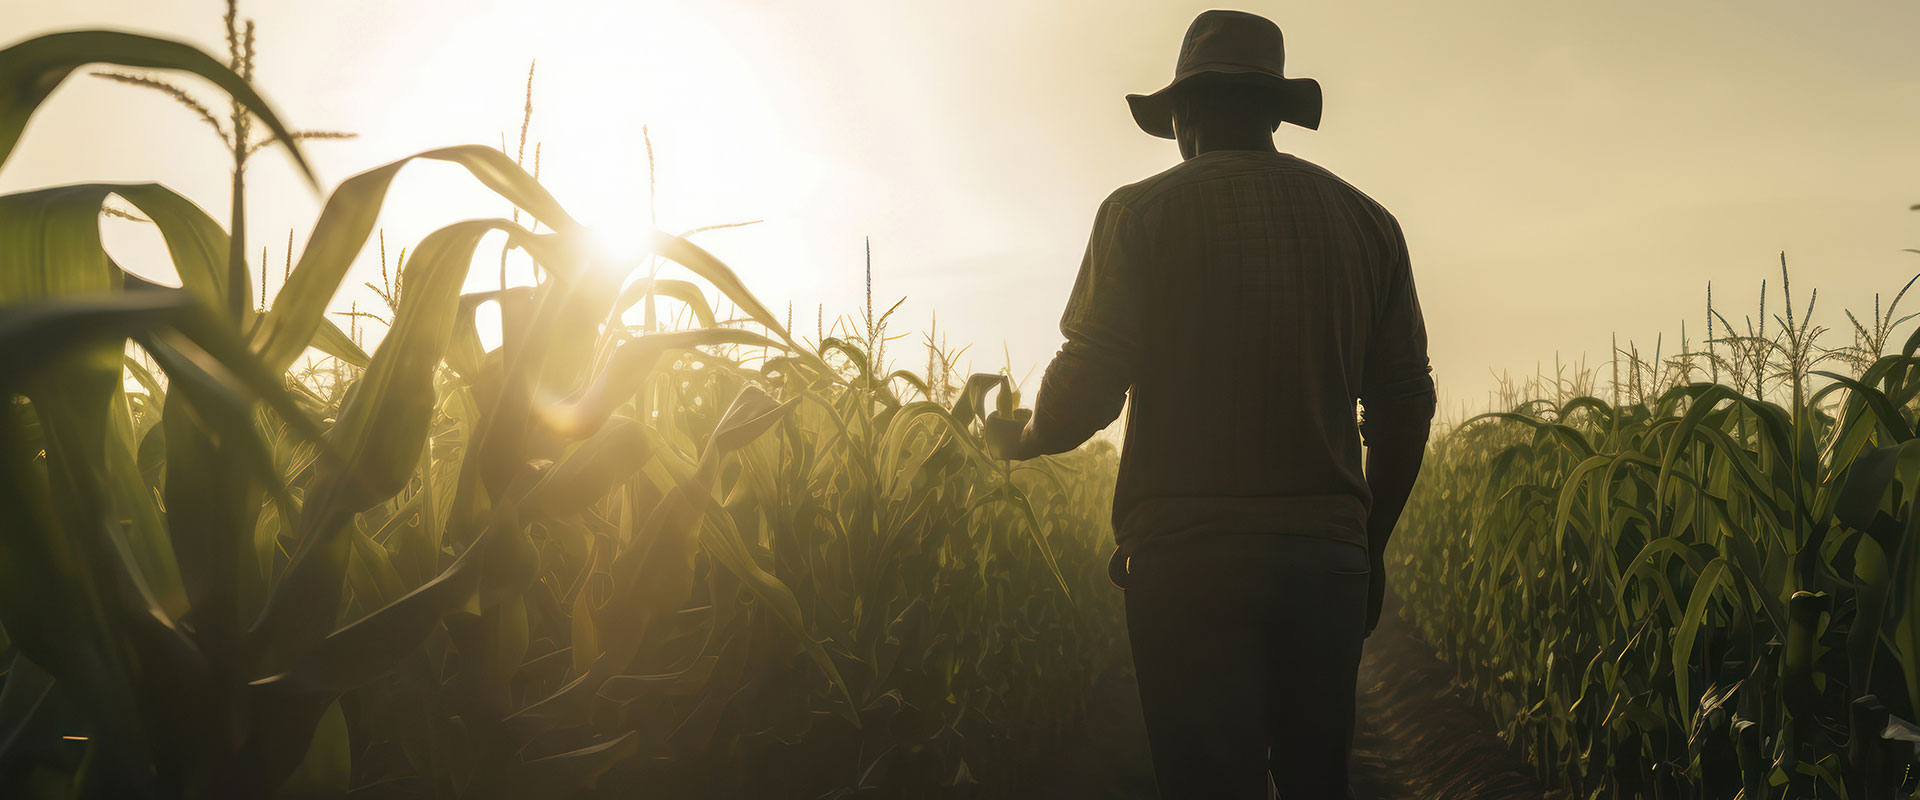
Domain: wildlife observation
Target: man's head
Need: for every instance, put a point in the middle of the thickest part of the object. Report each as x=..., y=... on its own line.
x=1229, y=73
x=1219, y=107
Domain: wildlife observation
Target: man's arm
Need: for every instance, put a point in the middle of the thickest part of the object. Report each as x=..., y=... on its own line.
x=1086, y=384
x=1393, y=462
x=1397, y=398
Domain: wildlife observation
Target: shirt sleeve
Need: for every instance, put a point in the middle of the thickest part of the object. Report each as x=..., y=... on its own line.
x=1086, y=384
x=1397, y=390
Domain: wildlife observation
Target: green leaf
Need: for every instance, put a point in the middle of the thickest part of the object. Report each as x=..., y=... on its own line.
x=725, y=545
x=31, y=70
x=591, y=471
x=27, y=714
x=380, y=434
x=682, y=291
x=751, y=414
x=52, y=239
x=1711, y=578
x=326, y=772
x=35, y=336
x=704, y=264
x=146, y=532
x=50, y=244
x=196, y=243
x=329, y=339
x=570, y=771
x=626, y=370
x=372, y=645
x=347, y=220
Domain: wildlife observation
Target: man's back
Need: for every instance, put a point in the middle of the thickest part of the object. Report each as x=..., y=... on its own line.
x=1264, y=296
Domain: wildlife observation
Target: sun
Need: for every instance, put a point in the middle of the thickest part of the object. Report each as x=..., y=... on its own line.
x=617, y=249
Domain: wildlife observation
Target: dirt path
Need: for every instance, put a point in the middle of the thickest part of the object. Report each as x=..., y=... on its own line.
x=1418, y=737
x=1421, y=737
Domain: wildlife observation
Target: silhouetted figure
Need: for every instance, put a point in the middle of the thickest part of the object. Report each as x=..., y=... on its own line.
x=1247, y=298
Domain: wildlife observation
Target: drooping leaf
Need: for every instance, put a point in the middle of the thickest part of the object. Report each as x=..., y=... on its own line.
x=380, y=434
x=31, y=70
x=347, y=220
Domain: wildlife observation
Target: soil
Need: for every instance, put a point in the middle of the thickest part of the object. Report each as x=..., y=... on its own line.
x=1419, y=737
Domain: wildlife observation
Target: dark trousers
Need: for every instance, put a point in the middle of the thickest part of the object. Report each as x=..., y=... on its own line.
x=1247, y=647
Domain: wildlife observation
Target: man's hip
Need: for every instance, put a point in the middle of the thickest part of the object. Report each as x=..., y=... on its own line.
x=1154, y=521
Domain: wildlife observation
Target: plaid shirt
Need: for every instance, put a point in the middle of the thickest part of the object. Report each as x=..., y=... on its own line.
x=1247, y=299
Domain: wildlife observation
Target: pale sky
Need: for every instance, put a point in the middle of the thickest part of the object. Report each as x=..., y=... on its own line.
x=1563, y=171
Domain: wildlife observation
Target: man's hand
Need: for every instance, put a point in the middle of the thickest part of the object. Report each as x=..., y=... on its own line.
x=1006, y=434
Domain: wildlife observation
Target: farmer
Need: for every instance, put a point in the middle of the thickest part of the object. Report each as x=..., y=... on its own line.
x=1247, y=298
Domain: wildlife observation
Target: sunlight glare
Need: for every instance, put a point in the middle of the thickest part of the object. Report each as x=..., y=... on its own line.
x=616, y=251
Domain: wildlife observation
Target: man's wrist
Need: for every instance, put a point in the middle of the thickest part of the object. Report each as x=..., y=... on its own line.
x=1028, y=446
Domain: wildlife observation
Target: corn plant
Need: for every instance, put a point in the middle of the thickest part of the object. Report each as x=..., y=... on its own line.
x=1704, y=593
x=599, y=554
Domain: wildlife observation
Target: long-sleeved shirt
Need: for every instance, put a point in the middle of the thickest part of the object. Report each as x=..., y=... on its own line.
x=1247, y=299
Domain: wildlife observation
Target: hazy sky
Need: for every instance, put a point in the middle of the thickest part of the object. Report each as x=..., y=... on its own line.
x=1563, y=171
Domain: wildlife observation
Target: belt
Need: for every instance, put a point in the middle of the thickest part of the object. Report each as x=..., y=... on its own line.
x=1158, y=520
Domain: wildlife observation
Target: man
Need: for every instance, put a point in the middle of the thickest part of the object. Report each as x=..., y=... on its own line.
x=1247, y=298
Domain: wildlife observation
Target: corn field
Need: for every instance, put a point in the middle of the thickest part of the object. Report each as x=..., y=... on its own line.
x=637, y=549
x=242, y=557
x=1689, y=589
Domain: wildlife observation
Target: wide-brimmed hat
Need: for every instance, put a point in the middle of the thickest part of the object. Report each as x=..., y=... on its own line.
x=1235, y=43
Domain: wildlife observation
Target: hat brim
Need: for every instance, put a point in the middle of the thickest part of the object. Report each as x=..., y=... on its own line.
x=1298, y=100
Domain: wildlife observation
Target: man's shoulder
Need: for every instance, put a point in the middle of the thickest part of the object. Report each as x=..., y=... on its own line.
x=1340, y=183
x=1141, y=192
x=1148, y=192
